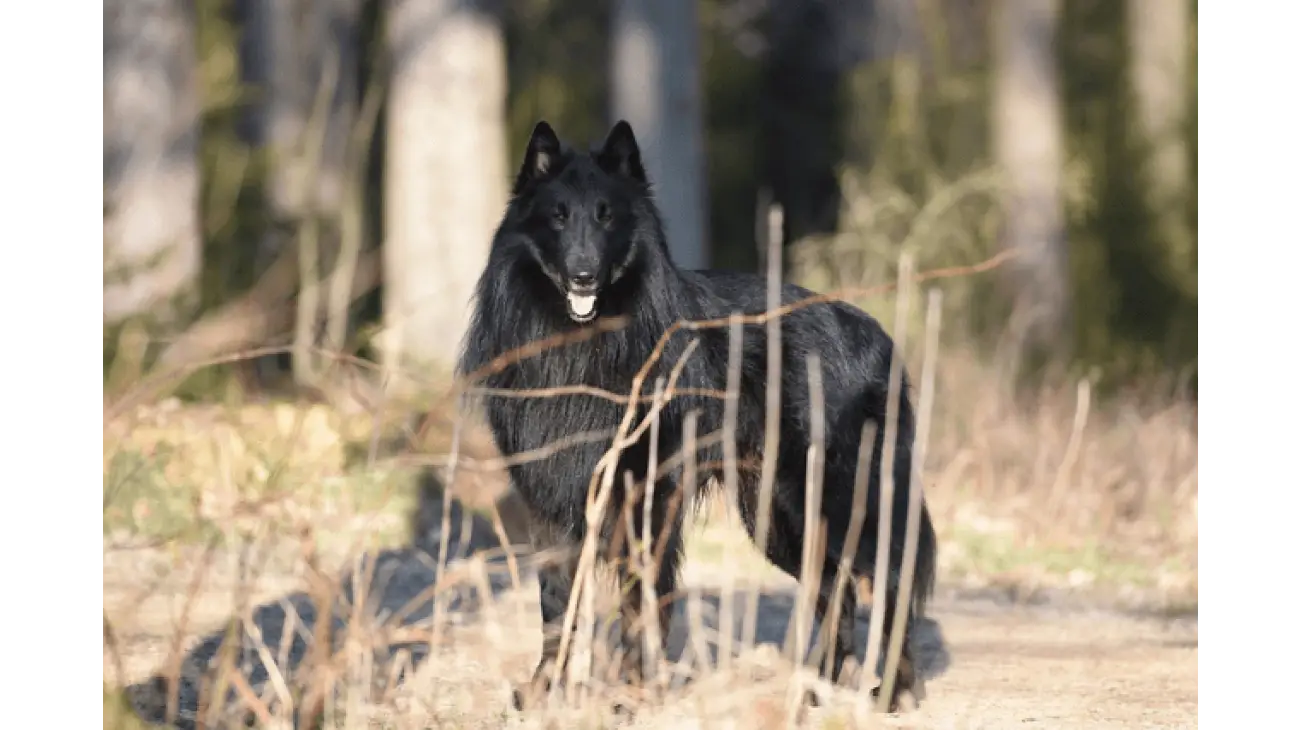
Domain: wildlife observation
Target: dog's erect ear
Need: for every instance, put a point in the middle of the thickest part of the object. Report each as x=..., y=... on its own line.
x=542, y=154
x=620, y=154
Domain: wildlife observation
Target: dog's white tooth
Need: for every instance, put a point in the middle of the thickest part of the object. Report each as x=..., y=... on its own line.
x=582, y=304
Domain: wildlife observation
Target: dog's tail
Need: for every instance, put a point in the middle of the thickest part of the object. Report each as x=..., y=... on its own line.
x=927, y=554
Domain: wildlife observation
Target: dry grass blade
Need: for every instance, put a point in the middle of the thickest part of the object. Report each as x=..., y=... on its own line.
x=512, y=563
x=881, y=575
x=933, y=315
x=175, y=657
x=318, y=664
x=649, y=601
x=274, y=676
x=772, y=412
x=814, y=531
x=731, y=476
x=255, y=704
x=1083, y=399
x=857, y=520
x=912, y=530
x=595, y=515
x=218, y=689
x=585, y=642
x=689, y=484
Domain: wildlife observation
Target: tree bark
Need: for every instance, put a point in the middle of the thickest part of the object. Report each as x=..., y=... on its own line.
x=446, y=173
x=656, y=87
x=152, y=237
x=1028, y=144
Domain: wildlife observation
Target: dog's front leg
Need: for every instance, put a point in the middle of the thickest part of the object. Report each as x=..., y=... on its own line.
x=555, y=585
x=646, y=615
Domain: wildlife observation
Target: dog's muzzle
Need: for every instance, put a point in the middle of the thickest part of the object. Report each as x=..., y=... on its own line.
x=580, y=296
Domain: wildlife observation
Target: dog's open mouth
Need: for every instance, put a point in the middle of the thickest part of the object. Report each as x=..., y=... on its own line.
x=582, y=306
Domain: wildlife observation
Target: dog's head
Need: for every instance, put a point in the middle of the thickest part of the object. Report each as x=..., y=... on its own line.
x=578, y=213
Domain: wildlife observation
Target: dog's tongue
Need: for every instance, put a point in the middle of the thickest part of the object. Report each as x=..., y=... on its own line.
x=582, y=304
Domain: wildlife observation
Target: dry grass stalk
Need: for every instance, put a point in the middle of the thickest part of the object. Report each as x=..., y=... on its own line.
x=772, y=406
x=912, y=528
x=814, y=535
x=731, y=475
x=879, y=588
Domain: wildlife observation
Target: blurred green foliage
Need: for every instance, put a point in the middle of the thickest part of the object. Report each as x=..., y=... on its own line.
x=911, y=131
x=232, y=214
x=1134, y=290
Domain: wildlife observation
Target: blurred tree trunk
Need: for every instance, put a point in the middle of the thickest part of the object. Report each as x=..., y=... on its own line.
x=656, y=87
x=152, y=236
x=446, y=173
x=842, y=85
x=802, y=110
x=301, y=58
x=1028, y=145
x=1158, y=63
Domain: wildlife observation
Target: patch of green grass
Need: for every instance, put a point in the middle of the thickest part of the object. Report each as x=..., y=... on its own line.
x=146, y=497
x=194, y=474
x=139, y=500
x=997, y=554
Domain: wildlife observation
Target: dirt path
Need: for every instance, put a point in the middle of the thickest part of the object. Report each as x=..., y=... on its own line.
x=1044, y=668
x=993, y=666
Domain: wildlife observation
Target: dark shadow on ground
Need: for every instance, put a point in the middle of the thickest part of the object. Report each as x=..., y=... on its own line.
x=775, y=614
x=399, y=583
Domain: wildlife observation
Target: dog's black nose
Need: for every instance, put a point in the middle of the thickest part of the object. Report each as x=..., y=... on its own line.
x=583, y=279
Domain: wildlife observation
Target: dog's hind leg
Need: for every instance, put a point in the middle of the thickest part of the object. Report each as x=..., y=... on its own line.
x=907, y=680
x=784, y=549
x=845, y=623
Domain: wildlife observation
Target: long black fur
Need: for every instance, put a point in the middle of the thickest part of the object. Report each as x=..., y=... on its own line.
x=572, y=210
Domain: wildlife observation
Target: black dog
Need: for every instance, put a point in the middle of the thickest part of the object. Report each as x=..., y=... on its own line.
x=582, y=242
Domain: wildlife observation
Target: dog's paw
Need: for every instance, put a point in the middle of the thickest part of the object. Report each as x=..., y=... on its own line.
x=903, y=699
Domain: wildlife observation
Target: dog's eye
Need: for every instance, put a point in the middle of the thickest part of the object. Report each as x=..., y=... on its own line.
x=603, y=213
x=560, y=214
